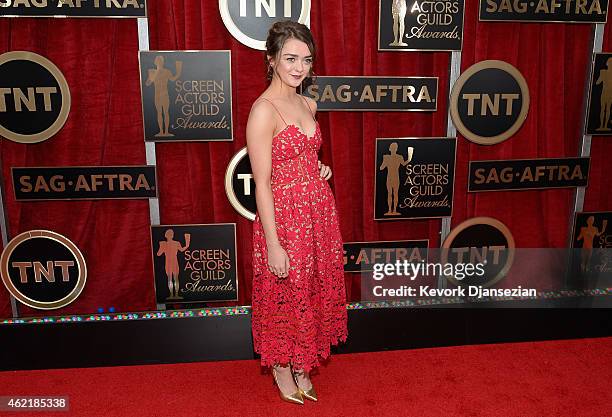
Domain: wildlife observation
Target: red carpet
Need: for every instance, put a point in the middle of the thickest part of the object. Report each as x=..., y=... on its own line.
x=568, y=378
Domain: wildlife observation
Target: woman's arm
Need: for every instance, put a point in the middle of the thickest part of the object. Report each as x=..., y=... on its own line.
x=260, y=130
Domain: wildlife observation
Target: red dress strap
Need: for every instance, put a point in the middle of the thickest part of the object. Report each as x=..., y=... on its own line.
x=277, y=110
x=309, y=109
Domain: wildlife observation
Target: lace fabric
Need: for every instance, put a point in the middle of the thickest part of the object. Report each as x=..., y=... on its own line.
x=297, y=318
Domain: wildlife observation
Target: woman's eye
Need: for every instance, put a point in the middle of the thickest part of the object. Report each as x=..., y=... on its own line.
x=290, y=59
x=309, y=61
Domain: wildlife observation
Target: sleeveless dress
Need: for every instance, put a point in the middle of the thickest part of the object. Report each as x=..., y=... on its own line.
x=296, y=318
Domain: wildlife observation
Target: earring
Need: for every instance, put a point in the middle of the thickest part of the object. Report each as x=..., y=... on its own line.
x=270, y=74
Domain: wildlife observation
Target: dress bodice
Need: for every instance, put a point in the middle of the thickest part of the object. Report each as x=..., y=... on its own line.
x=294, y=156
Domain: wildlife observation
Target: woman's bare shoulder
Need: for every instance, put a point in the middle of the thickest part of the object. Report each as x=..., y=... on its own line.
x=261, y=123
x=261, y=110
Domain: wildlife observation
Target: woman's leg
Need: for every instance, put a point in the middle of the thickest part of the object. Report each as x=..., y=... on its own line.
x=284, y=379
x=303, y=379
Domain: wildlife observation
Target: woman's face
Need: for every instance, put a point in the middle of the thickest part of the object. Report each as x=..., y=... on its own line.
x=294, y=62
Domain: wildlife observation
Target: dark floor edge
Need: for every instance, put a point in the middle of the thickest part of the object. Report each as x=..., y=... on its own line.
x=228, y=337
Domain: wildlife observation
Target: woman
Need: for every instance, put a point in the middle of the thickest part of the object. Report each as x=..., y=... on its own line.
x=299, y=300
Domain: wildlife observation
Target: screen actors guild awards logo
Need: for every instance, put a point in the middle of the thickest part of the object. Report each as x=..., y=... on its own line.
x=392, y=162
x=605, y=79
x=594, y=238
x=591, y=254
x=398, y=11
x=420, y=25
x=201, y=269
x=34, y=97
x=169, y=249
x=414, y=178
x=159, y=78
x=600, y=96
x=186, y=95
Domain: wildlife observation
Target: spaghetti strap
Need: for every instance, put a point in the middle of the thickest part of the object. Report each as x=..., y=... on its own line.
x=309, y=109
x=275, y=108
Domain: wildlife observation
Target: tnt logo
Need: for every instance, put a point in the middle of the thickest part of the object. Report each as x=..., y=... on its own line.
x=249, y=20
x=268, y=5
x=489, y=102
x=480, y=240
x=43, y=269
x=240, y=186
x=27, y=98
x=34, y=97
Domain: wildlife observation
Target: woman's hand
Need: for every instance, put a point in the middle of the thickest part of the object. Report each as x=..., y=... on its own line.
x=278, y=261
x=324, y=171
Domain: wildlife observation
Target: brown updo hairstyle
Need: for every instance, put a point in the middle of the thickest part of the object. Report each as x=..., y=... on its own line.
x=277, y=35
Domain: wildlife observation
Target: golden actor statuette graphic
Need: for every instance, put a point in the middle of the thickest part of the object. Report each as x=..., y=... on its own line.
x=159, y=77
x=605, y=79
x=398, y=10
x=170, y=248
x=587, y=235
x=392, y=163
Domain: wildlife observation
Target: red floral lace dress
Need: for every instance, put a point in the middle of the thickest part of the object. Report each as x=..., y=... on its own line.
x=295, y=319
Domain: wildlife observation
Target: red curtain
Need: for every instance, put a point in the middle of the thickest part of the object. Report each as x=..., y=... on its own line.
x=100, y=61
x=598, y=196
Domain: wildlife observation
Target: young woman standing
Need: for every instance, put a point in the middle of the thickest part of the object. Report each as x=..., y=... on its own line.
x=299, y=300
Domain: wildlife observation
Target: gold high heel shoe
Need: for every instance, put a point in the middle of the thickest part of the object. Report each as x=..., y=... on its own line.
x=295, y=398
x=310, y=393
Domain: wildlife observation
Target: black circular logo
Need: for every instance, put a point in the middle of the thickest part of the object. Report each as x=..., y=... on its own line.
x=239, y=185
x=249, y=21
x=43, y=269
x=489, y=102
x=34, y=97
x=480, y=240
